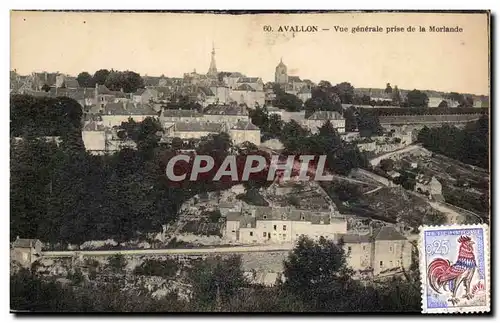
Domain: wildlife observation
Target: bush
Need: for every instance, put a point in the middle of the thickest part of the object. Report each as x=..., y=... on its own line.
x=153, y=267
x=117, y=262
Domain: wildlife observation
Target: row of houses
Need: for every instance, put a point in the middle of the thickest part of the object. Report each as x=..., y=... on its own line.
x=383, y=250
x=102, y=123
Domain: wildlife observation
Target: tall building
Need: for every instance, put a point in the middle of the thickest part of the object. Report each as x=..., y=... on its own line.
x=212, y=70
x=281, y=76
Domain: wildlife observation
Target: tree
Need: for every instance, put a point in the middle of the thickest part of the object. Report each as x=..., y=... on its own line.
x=316, y=271
x=396, y=96
x=127, y=81
x=46, y=88
x=177, y=143
x=417, y=98
x=100, y=76
x=369, y=123
x=387, y=165
x=388, y=88
x=294, y=137
x=351, y=119
x=117, y=262
x=216, y=281
x=345, y=91
x=85, y=79
x=286, y=101
x=325, y=97
x=443, y=104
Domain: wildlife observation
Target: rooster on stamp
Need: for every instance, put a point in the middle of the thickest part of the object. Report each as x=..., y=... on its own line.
x=454, y=268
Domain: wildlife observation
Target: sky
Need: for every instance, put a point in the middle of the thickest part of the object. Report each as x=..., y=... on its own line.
x=173, y=44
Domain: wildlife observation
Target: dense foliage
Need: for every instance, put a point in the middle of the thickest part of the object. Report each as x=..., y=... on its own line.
x=316, y=279
x=33, y=116
x=470, y=145
x=287, y=101
x=61, y=193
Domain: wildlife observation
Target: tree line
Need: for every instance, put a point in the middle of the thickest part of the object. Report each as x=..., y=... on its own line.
x=470, y=145
x=128, y=81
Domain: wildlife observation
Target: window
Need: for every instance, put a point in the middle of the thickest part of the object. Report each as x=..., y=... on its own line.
x=264, y=235
x=398, y=263
x=349, y=249
x=275, y=226
x=302, y=217
x=284, y=227
x=265, y=216
x=233, y=231
x=284, y=237
x=251, y=233
x=364, y=248
x=390, y=249
x=390, y=264
x=381, y=264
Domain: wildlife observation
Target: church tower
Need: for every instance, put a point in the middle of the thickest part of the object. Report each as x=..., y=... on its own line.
x=281, y=76
x=212, y=70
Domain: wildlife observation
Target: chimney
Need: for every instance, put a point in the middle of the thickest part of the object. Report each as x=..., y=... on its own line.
x=124, y=105
x=371, y=230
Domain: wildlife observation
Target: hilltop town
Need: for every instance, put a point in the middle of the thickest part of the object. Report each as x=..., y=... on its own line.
x=90, y=204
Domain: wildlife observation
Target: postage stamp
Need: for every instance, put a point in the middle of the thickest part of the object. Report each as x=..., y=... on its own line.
x=454, y=268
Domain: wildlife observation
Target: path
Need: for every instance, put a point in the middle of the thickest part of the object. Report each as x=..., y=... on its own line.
x=192, y=251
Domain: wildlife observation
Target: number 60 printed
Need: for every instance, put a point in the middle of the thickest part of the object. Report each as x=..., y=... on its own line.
x=437, y=247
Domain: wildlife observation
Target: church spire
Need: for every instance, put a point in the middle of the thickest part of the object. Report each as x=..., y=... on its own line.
x=212, y=70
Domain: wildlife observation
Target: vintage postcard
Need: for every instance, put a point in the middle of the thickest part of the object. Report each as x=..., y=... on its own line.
x=455, y=270
x=250, y=161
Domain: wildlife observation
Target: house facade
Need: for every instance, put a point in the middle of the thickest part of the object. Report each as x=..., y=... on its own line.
x=262, y=225
x=384, y=250
x=116, y=113
x=25, y=251
x=245, y=131
x=319, y=118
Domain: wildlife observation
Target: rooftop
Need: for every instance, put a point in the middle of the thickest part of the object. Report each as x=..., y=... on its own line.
x=225, y=110
x=181, y=113
x=326, y=115
x=245, y=125
x=198, y=127
x=128, y=108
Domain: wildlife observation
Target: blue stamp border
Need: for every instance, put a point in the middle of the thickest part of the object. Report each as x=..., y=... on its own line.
x=479, y=233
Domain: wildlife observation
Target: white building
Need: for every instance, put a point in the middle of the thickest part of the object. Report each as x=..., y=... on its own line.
x=383, y=251
x=116, y=113
x=282, y=225
x=319, y=118
x=245, y=131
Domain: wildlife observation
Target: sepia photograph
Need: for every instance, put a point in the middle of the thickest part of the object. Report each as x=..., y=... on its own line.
x=250, y=161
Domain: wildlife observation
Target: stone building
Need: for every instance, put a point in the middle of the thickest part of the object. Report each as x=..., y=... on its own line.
x=25, y=251
x=281, y=75
x=245, y=94
x=194, y=130
x=231, y=80
x=319, y=118
x=116, y=113
x=143, y=96
x=255, y=82
x=245, y=131
x=170, y=116
x=282, y=225
x=384, y=250
x=223, y=113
